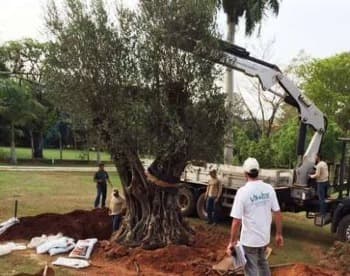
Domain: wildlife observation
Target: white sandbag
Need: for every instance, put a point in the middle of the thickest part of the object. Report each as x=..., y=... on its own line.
x=83, y=249
x=59, y=250
x=19, y=246
x=7, y=248
x=68, y=262
x=4, y=250
x=37, y=241
x=60, y=242
x=7, y=224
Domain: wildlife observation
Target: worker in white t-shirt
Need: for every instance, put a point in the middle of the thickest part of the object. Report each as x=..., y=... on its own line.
x=321, y=176
x=252, y=209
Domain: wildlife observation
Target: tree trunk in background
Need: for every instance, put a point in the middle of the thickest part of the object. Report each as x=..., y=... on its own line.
x=229, y=89
x=31, y=142
x=13, y=146
x=38, y=144
x=153, y=218
x=98, y=155
x=87, y=148
x=60, y=144
x=74, y=140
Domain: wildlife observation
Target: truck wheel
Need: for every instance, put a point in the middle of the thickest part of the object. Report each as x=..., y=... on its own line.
x=187, y=202
x=343, y=229
x=201, y=207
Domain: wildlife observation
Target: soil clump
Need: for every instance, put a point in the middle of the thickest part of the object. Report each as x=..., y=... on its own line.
x=305, y=270
x=338, y=256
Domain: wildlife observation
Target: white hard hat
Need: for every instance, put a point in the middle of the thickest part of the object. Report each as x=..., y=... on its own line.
x=250, y=164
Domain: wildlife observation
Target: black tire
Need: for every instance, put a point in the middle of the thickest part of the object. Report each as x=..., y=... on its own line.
x=343, y=229
x=187, y=202
x=201, y=207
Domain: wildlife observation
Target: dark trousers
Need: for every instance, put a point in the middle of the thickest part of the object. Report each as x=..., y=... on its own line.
x=322, y=194
x=116, y=220
x=257, y=264
x=211, y=210
x=101, y=195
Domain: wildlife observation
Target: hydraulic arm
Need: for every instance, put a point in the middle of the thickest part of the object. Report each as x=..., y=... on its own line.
x=269, y=75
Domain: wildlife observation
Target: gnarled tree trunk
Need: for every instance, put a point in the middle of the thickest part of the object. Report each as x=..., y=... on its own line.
x=153, y=218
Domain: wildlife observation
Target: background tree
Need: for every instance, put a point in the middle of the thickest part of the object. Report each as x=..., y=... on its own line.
x=128, y=80
x=326, y=82
x=25, y=62
x=261, y=107
x=253, y=12
x=17, y=107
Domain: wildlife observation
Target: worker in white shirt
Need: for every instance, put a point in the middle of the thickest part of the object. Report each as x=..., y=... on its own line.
x=116, y=209
x=322, y=181
x=252, y=209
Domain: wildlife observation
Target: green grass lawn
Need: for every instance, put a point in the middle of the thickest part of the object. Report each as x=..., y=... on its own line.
x=63, y=192
x=68, y=154
x=44, y=192
x=303, y=242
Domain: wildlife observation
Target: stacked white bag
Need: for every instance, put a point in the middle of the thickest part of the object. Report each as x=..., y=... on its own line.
x=52, y=244
x=7, y=248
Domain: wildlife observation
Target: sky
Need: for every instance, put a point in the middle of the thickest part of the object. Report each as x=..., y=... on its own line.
x=318, y=27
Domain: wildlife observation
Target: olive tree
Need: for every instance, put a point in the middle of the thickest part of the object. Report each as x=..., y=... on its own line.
x=135, y=88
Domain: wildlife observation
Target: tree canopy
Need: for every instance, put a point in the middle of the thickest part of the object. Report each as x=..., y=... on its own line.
x=252, y=10
x=17, y=108
x=326, y=82
x=135, y=88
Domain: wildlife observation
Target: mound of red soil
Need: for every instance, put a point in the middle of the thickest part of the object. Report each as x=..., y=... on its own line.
x=209, y=249
x=305, y=270
x=110, y=258
x=78, y=224
x=196, y=260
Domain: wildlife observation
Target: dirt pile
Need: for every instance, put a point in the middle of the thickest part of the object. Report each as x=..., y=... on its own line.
x=198, y=259
x=304, y=270
x=337, y=257
x=113, y=259
x=78, y=224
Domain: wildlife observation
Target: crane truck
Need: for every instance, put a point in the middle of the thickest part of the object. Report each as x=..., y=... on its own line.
x=294, y=189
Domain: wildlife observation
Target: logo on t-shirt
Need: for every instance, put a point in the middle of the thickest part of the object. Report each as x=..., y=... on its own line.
x=259, y=198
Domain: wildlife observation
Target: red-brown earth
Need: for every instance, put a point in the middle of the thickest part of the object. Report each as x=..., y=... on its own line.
x=113, y=259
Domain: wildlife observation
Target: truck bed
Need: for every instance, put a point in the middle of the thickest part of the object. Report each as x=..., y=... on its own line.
x=232, y=177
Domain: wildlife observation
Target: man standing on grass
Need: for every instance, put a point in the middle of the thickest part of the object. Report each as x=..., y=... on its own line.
x=252, y=208
x=101, y=177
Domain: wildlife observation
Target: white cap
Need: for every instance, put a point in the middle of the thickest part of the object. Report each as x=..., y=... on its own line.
x=250, y=164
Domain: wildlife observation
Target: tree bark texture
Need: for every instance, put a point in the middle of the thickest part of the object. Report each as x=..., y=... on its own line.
x=38, y=144
x=153, y=219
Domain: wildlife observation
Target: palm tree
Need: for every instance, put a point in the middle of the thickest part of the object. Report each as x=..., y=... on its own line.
x=254, y=11
x=17, y=107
